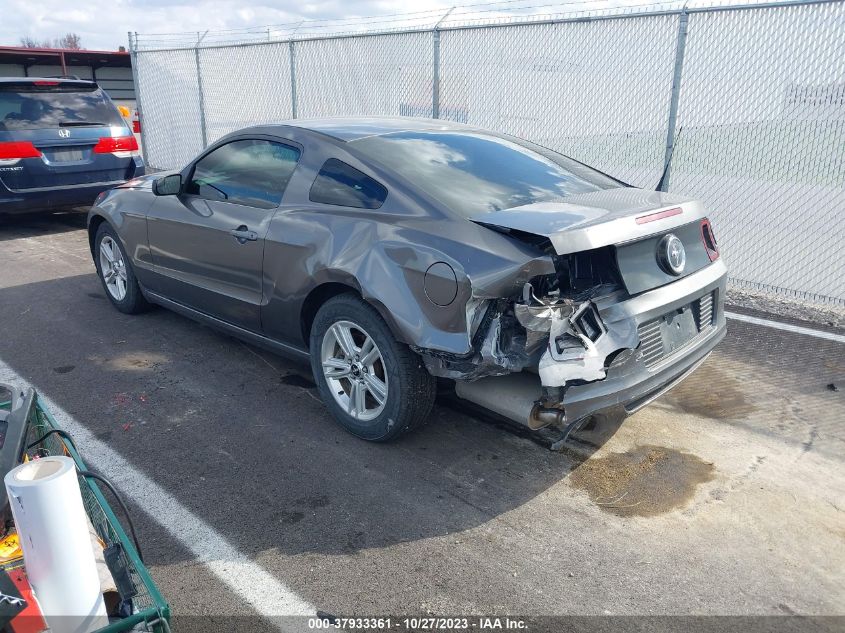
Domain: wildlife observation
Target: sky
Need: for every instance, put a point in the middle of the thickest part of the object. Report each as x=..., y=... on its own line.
x=104, y=24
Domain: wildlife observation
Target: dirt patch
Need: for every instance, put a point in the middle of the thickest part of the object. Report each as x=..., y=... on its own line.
x=136, y=361
x=712, y=393
x=646, y=481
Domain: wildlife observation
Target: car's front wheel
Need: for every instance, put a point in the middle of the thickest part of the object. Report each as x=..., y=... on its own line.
x=116, y=273
x=374, y=386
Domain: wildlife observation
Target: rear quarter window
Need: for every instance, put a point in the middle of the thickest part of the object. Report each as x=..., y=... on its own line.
x=342, y=185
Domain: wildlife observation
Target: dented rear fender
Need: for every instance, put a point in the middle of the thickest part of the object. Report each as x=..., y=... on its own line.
x=427, y=282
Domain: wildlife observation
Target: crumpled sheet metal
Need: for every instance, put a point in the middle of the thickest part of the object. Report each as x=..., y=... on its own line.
x=580, y=358
x=537, y=318
x=506, y=348
x=497, y=355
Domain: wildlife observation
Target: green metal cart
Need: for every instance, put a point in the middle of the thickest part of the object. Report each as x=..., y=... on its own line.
x=149, y=611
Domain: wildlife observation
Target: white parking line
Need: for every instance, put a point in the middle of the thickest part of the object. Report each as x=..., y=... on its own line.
x=786, y=327
x=267, y=595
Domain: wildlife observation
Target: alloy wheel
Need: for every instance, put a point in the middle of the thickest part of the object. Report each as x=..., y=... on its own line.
x=354, y=369
x=113, y=268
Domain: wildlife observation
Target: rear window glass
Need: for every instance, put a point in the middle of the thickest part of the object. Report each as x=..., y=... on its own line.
x=474, y=173
x=48, y=107
x=342, y=185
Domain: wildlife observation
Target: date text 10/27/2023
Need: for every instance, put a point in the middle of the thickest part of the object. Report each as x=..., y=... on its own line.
x=423, y=623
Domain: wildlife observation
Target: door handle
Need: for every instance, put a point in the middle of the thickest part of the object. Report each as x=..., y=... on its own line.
x=243, y=234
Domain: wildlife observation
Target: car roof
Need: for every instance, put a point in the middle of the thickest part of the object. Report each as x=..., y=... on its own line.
x=354, y=128
x=17, y=80
x=51, y=80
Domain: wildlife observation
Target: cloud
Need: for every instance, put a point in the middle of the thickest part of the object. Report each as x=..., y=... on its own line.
x=104, y=24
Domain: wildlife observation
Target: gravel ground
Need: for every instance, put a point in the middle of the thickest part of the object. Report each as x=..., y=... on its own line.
x=825, y=314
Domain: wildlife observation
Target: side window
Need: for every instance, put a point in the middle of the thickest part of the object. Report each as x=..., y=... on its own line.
x=342, y=185
x=251, y=172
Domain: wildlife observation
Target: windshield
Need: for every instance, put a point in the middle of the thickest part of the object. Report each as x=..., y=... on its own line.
x=474, y=173
x=38, y=107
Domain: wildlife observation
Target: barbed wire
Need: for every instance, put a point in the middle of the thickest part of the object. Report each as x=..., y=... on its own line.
x=494, y=12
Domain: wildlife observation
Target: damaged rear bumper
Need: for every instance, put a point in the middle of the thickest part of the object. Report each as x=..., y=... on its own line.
x=634, y=379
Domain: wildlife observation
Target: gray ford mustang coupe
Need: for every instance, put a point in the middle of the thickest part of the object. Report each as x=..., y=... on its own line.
x=392, y=252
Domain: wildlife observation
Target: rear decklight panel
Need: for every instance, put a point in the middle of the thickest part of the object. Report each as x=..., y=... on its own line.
x=639, y=261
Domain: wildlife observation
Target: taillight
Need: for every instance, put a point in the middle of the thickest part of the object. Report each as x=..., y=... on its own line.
x=709, y=240
x=11, y=152
x=122, y=146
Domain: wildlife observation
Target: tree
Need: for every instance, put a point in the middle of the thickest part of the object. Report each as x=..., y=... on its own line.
x=31, y=42
x=70, y=41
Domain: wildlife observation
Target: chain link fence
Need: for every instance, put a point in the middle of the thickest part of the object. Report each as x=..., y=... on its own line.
x=749, y=101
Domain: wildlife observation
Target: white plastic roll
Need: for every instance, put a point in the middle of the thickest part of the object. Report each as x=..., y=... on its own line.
x=58, y=556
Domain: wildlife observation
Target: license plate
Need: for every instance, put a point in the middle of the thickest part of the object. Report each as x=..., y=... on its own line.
x=64, y=155
x=677, y=329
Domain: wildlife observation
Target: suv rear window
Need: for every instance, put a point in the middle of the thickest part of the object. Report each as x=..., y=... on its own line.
x=30, y=106
x=344, y=186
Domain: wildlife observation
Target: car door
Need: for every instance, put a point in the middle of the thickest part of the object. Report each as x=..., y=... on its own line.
x=207, y=243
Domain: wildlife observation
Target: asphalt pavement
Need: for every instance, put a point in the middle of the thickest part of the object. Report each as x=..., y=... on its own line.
x=724, y=497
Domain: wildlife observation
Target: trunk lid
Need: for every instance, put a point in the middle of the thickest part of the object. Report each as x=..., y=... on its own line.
x=600, y=218
x=632, y=224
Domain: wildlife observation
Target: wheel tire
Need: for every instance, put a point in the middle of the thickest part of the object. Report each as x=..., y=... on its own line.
x=410, y=388
x=133, y=301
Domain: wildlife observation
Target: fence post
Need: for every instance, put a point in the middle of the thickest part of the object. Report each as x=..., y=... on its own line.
x=133, y=55
x=673, y=100
x=293, y=103
x=199, y=89
x=435, y=83
x=435, y=80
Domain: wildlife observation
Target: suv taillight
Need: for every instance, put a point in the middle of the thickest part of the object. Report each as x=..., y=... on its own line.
x=11, y=152
x=709, y=240
x=121, y=146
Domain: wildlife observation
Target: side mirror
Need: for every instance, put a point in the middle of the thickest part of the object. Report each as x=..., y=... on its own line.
x=168, y=186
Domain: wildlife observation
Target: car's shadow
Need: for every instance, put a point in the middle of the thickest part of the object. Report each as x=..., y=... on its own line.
x=16, y=226
x=240, y=437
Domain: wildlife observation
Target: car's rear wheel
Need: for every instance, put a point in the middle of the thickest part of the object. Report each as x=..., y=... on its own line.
x=116, y=273
x=374, y=386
